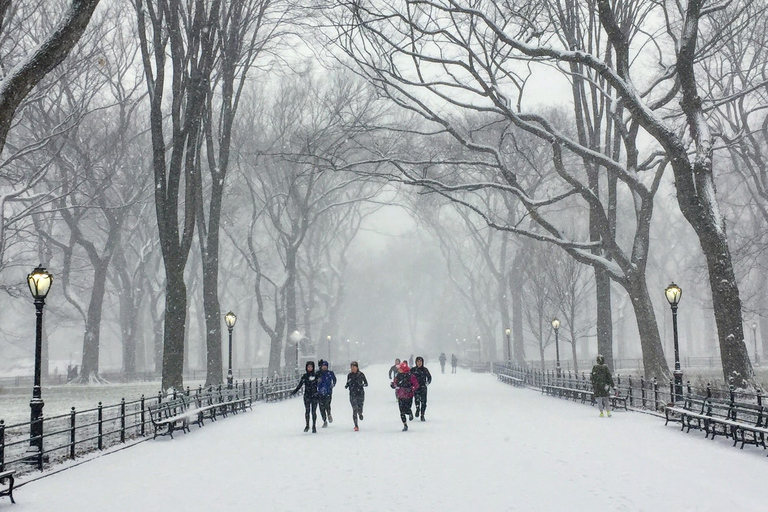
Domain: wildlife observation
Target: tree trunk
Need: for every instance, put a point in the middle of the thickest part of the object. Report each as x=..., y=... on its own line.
x=516, y=292
x=291, y=313
x=654, y=362
x=604, y=316
x=175, y=319
x=90, y=365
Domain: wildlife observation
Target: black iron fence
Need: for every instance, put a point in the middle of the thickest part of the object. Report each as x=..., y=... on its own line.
x=639, y=392
x=76, y=433
x=628, y=363
x=119, y=377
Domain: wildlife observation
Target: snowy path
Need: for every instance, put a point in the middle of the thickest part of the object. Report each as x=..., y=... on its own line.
x=485, y=446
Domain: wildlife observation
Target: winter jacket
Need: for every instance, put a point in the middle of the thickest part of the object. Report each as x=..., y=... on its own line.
x=422, y=375
x=404, y=385
x=326, y=379
x=454, y=360
x=442, y=359
x=393, y=371
x=602, y=381
x=309, y=381
x=355, y=383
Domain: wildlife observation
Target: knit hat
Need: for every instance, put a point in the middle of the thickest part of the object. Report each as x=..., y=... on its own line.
x=323, y=362
x=354, y=363
x=600, y=359
x=404, y=367
x=308, y=364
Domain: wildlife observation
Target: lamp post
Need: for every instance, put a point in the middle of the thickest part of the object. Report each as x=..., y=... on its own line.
x=296, y=337
x=348, y=358
x=230, y=318
x=509, y=353
x=556, y=327
x=754, y=340
x=479, y=350
x=673, y=294
x=39, y=281
x=329, y=346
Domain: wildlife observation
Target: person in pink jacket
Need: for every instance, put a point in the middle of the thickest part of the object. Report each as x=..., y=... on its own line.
x=404, y=384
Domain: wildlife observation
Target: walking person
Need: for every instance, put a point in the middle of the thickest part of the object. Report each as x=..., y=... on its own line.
x=602, y=382
x=405, y=384
x=356, y=382
x=309, y=381
x=454, y=363
x=424, y=378
x=393, y=369
x=326, y=380
x=442, y=362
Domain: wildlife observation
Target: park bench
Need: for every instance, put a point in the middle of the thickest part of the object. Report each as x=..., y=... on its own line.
x=566, y=392
x=742, y=422
x=230, y=401
x=509, y=379
x=7, y=475
x=278, y=390
x=169, y=416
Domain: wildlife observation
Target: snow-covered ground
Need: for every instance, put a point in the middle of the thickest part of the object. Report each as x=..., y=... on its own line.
x=485, y=446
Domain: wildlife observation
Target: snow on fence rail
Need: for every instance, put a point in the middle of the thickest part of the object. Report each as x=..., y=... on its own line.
x=76, y=433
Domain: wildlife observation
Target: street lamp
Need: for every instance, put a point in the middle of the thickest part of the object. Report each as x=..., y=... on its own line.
x=479, y=350
x=556, y=327
x=329, y=346
x=230, y=318
x=754, y=340
x=509, y=353
x=673, y=294
x=348, y=358
x=296, y=337
x=39, y=281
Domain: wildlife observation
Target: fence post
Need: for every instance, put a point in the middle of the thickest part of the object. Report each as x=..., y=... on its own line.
x=672, y=397
x=159, y=397
x=143, y=419
x=122, y=420
x=2, y=445
x=187, y=390
x=629, y=390
x=642, y=390
x=72, y=422
x=655, y=395
x=101, y=426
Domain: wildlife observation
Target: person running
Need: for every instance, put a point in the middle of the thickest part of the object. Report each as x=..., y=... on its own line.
x=424, y=379
x=309, y=381
x=602, y=382
x=393, y=369
x=405, y=384
x=356, y=381
x=454, y=363
x=326, y=380
x=442, y=362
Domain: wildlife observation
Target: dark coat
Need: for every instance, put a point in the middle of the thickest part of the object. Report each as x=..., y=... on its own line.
x=404, y=385
x=422, y=375
x=355, y=383
x=326, y=379
x=602, y=381
x=393, y=371
x=309, y=381
x=454, y=360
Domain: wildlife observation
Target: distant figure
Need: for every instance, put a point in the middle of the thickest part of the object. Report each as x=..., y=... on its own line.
x=442, y=362
x=326, y=380
x=356, y=382
x=405, y=384
x=410, y=361
x=309, y=381
x=602, y=382
x=425, y=379
x=393, y=369
x=454, y=363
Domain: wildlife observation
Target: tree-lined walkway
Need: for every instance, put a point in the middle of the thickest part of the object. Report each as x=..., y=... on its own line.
x=484, y=446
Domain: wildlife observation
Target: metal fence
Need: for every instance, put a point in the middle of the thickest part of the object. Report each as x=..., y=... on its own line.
x=628, y=363
x=68, y=436
x=640, y=393
x=119, y=377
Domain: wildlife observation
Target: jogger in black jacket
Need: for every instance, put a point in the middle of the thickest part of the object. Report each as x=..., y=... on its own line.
x=309, y=381
x=425, y=379
x=356, y=381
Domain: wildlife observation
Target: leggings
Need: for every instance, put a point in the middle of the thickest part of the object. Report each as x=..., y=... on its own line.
x=420, y=396
x=604, y=402
x=325, y=406
x=310, y=402
x=357, y=406
x=405, y=407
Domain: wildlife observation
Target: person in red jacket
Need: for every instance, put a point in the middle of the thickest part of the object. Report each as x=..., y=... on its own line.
x=405, y=384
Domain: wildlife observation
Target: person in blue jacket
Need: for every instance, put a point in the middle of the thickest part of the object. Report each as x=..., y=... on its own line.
x=326, y=380
x=309, y=381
